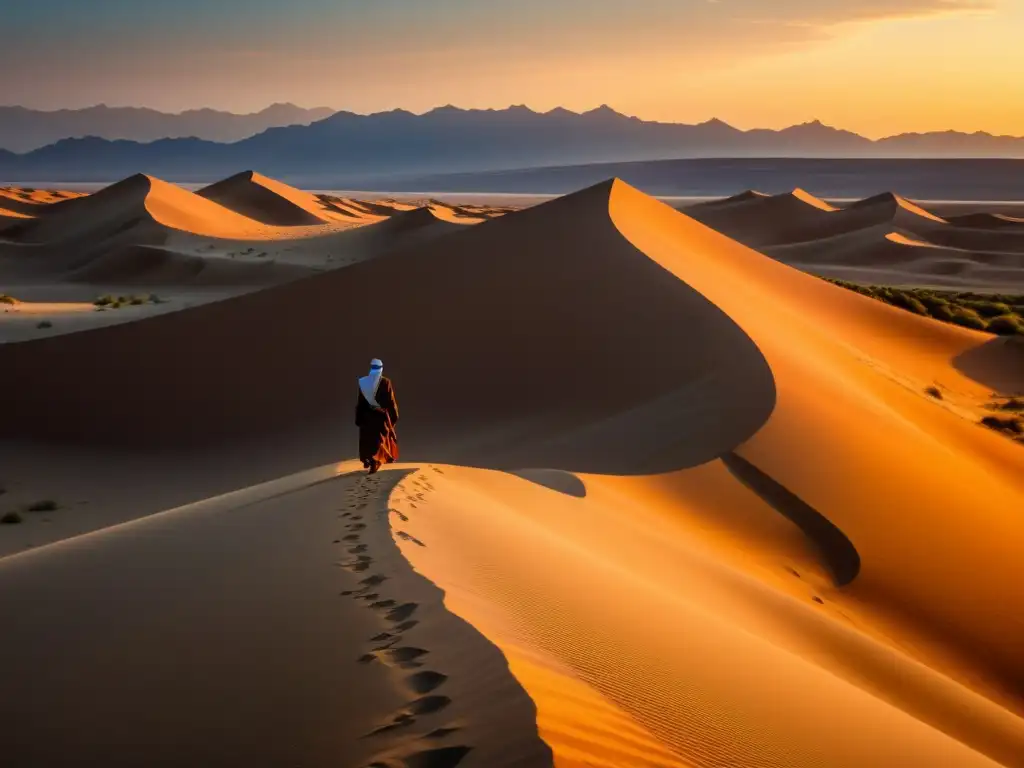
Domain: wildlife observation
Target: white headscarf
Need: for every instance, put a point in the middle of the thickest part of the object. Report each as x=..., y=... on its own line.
x=368, y=384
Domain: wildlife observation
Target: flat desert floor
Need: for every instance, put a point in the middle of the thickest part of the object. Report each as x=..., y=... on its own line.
x=665, y=496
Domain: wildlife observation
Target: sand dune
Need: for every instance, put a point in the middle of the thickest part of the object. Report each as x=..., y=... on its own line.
x=875, y=239
x=266, y=200
x=738, y=531
x=145, y=233
x=759, y=219
x=139, y=200
x=149, y=266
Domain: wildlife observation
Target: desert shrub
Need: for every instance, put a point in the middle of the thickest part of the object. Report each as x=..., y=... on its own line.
x=46, y=505
x=989, y=308
x=1013, y=404
x=1006, y=325
x=11, y=518
x=45, y=324
x=104, y=301
x=968, y=318
x=942, y=312
x=934, y=392
x=906, y=301
x=1011, y=425
x=137, y=300
x=6, y=299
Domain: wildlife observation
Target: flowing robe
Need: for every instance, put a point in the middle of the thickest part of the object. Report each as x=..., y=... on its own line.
x=377, y=439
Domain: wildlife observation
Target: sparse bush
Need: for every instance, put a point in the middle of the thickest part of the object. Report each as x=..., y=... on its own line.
x=46, y=505
x=968, y=318
x=934, y=392
x=988, y=308
x=44, y=324
x=104, y=301
x=1006, y=325
x=908, y=302
x=137, y=300
x=1013, y=404
x=11, y=518
x=1011, y=425
x=7, y=299
x=997, y=313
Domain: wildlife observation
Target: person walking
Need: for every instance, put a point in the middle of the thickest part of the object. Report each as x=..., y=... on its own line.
x=376, y=417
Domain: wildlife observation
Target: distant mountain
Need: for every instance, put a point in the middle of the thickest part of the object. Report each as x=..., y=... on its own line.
x=372, y=151
x=22, y=130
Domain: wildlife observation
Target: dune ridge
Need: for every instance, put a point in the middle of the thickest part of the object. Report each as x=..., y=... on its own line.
x=973, y=251
x=265, y=200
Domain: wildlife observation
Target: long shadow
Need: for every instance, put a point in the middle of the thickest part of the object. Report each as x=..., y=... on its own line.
x=998, y=364
x=837, y=551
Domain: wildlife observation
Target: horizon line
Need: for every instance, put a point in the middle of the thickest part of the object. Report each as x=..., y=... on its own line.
x=604, y=107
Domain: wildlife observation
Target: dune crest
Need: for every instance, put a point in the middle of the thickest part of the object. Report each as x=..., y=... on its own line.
x=267, y=201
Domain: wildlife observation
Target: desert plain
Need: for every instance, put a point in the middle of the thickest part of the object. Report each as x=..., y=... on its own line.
x=736, y=484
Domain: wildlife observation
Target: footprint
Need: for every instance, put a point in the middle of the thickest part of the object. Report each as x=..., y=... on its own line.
x=351, y=537
x=818, y=600
x=381, y=638
x=383, y=604
x=356, y=526
x=404, y=655
x=407, y=537
x=402, y=612
x=428, y=705
x=360, y=564
x=426, y=681
x=400, y=721
x=401, y=517
x=357, y=549
x=440, y=733
x=405, y=626
x=373, y=581
x=371, y=596
x=792, y=571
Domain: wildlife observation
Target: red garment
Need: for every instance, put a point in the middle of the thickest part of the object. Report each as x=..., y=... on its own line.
x=378, y=441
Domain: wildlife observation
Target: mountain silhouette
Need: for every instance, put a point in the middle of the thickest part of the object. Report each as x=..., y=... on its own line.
x=22, y=130
x=346, y=148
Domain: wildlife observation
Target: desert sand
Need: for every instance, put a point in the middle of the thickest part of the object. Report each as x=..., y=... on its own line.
x=663, y=499
x=884, y=239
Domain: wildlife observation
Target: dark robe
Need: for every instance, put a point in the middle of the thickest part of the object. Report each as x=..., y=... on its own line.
x=377, y=439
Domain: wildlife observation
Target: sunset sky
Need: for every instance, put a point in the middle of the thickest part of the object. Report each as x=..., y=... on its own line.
x=874, y=66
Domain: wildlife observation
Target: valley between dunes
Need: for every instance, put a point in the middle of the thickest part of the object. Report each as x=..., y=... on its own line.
x=663, y=499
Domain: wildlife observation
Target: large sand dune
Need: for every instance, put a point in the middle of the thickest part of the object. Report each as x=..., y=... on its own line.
x=688, y=506
x=244, y=232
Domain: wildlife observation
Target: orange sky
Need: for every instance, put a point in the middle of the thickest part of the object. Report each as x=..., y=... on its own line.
x=874, y=66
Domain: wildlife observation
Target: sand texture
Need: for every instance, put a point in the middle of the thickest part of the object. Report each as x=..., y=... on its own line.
x=663, y=500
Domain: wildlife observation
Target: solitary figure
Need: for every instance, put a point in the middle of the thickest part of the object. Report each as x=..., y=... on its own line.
x=376, y=417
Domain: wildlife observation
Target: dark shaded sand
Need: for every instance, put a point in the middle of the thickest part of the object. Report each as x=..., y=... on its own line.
x=219, y=634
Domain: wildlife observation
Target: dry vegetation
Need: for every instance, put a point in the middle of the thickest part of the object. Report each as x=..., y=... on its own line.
x=996, y=313
x=116, y=302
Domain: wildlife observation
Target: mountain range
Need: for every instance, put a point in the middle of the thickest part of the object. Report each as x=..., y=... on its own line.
x=22, y=129
x=370, y=151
